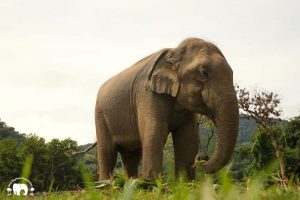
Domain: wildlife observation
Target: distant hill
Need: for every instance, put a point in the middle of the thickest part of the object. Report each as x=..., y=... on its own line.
x=247, y=127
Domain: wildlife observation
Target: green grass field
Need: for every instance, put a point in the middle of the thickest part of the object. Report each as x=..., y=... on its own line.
x=219, y=186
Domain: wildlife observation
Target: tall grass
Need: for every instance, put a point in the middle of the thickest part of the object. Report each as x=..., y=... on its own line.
x=27, y=166
x=205, y=187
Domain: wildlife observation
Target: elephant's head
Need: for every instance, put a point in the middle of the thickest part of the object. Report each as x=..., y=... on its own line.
x=198, y=76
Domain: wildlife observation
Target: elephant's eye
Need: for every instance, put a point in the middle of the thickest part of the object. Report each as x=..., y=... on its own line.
x=203, y=73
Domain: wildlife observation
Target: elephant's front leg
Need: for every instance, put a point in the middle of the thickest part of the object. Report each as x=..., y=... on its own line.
x=154, y=139
x=186, y=144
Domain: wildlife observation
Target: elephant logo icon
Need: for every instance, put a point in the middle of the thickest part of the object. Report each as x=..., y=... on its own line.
x=19, y=187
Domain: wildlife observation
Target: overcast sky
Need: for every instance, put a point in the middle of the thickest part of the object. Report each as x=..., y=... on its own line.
x=54, y=54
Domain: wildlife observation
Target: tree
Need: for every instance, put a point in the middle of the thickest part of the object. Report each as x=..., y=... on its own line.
x=10, y=161
x=207, y=127
x=262, y=149
x=49, y=168
x=63, y=172
x=290, y=140
x=288, y=134
x=263, y=107
x=242, y=161
x=36, y=147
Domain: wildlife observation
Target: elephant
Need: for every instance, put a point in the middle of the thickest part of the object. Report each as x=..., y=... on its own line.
x=20, y=189
x=137, y=109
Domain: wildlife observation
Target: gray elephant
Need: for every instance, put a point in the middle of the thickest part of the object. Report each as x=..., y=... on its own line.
x=161, y=94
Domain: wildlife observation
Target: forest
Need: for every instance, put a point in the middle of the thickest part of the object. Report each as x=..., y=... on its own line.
x=267, y=147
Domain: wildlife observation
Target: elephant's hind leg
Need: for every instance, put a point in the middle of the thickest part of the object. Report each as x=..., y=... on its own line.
x=107, y=161
x=107, y=151
x=131, y=160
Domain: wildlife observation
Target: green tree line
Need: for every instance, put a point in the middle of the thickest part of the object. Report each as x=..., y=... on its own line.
x=50, y=167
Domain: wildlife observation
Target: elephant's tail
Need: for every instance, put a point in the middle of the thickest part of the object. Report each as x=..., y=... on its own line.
x=71, y=153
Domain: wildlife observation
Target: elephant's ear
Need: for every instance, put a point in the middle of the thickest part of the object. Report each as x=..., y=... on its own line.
x=162, y=72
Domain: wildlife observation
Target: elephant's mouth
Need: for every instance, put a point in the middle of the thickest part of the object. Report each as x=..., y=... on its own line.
x=203, y=109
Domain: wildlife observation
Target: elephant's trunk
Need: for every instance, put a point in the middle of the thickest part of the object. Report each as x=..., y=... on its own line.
x=227, y=123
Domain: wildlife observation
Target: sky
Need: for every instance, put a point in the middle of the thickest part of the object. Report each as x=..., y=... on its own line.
x=54, y=55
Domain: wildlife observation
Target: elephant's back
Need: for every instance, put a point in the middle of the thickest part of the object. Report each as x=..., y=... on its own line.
x=118, y=88
x=122, y=85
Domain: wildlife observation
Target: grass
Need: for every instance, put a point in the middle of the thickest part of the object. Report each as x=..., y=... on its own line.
x=207, y=187
x=220, y=186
